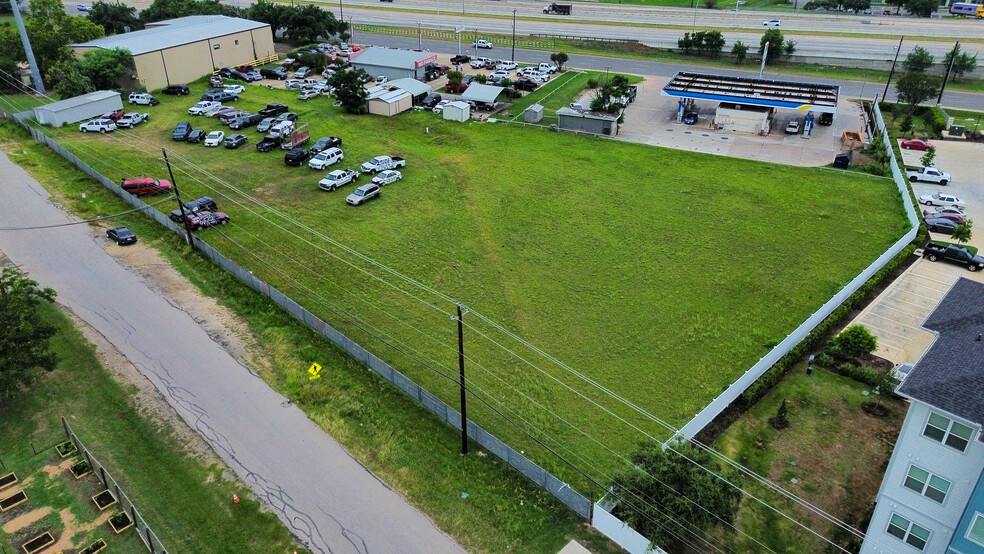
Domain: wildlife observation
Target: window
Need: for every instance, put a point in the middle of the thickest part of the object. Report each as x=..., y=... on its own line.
x=237, y=42
x=216, y=46
x=976, y=531
x=927, y=484
x=908, y=532
x=951, y=433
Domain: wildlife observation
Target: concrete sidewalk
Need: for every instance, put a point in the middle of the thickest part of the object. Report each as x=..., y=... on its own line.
x=321, y=493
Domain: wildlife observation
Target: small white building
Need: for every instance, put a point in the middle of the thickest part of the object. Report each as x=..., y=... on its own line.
x=587, y=122
x=416, y=88
x=742, y=118
x=457, y=111
x=389, y=102
x=79, y=108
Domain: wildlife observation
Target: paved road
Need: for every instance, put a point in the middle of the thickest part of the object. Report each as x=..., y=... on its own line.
x=850, y=89
x=330, y=501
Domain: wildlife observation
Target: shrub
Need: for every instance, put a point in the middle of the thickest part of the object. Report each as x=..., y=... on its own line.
x=825, y=360
x=856, y=340
x=861, y=374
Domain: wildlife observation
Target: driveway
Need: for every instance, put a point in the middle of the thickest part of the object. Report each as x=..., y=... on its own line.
x=321, y=493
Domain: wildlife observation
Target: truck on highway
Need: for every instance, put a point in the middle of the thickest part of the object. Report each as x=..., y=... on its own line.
x=559, y=9
x=954, y=254
x=928, y=175
x=967, y=9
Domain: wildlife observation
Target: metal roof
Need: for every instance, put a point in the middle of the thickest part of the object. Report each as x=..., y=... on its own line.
x=76, y=101
x=586, y=114
x=477, y=92
x=175, y=32
x=412, y=86
x=950, y=375
x=391, y=96
x=390, y=57
x=757, y=92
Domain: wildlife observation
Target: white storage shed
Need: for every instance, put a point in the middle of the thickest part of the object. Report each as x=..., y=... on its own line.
x=457, y=111
x=390, y=102
x=79, y=108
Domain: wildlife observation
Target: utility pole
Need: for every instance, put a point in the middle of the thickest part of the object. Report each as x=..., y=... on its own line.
x=420, y=37
x=765, y=56
x=181, y=208
x=35, y=72
x=513, y=56
x=949, y=68
x=892, y=72
x=461, y=377
x=341, y=14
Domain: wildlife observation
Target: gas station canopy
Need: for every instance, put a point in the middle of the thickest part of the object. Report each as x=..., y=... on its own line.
x=756, y=92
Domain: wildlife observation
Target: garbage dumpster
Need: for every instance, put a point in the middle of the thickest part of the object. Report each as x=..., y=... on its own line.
x=841, y=161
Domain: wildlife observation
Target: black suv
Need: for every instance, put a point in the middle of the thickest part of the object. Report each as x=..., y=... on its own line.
x=245, y=121
x=826, y=119
x=230, y=73
x=177, y=89
x=194, y=206
x=181, y=132
x=431, y=100
x=277, y=73
x=297, y=156
x=273, y=110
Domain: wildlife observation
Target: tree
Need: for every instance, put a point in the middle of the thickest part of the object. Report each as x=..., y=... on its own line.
x=114, y=18
x=773, y=37
x=707, y=43
x=918, y=60
x=160, y=10
x=829, y=5
x=856, y=341
x=906, y=126
x=24, y=334
x=276, y=15
x=739, y=50
x=481, y=78
x=897, y=3
x=963, y=62
x=780, y=420
x=789, y=47
x=710, y=4
x=454, y=77
x=67, y=79
x=308, y=23
x=316, y=62
x=50, y=30
x=664, y=489
x=856, y=6
x=349, y=90
x=105, y=68
x=928, y=157
x=559, y=58
x=922, y=8
x=915, y=87
x=963, y=233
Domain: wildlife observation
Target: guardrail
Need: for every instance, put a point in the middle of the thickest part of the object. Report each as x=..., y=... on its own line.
x=577, y=37
x=257, y=62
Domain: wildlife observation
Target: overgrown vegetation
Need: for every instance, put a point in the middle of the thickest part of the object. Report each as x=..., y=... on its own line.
x=24, y=335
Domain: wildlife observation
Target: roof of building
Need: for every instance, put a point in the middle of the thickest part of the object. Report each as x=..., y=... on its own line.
x=950, y=375
x=586, y=114
x=391, y=96
x=458, y=104
x=760, y=92
x=175, y=32
x=391, y=57
x=76, y=101
x=477, y=92
x=412, y=86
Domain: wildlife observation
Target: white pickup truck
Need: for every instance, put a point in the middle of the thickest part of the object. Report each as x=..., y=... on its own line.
x=382, y=163
x=928, y=175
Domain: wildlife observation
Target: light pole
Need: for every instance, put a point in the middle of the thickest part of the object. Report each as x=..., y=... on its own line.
x=513, y=56
x=35, y=73
x=341, y=14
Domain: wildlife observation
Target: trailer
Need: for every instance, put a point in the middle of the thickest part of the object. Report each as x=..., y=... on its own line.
x=298, y=135
x=558, y=9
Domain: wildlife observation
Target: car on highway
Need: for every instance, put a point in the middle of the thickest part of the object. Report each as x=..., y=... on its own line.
x=940, y=199
x=82, y=7
x=121, y=236
x=772, y=23
x=793, y=127
x=363, y=194
x=235, y=141
x=916, y=144
x=387, y=177
x=214, y=139
x=941, y=225
x=482, y=43
x=98, y=126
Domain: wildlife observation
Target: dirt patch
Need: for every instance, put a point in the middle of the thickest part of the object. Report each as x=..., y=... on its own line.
x=58, y=470
x=72, y=528
x=25, y=520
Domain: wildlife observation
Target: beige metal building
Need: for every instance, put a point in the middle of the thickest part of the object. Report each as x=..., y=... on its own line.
x=180, y=50
x=388, y=102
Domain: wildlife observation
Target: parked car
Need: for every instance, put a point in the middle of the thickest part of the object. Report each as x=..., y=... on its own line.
x=235, y=141
x=382, y=163
x=381, y=80
x=431, y=100
x=308, y=94
x=201, y=107
x=954, y=254
x=940, y=199
x=230, y=73
x=941, y=225
x=175, y=90
x=506, y=65
x=273, y=110
x=98, y=126
x=928, y=175
x=344, y=53
x=772, y=23
x=289, y=60
x=826, y=119
x=482, y=43
x=387, y=177
x=439, y=107
x=181, y=132
x=219, y=111
x=244, y=121
x=215, y=81
x=265, y=125
x=196, y=136
x=221, y=96
x=296, y=156
x=269, y=142
x=144, y=186
x=302, y=72
x=143, y=99
x=363, y=194
x=113, y=115
x=793, y=127
x=204, y=203
x=956, y=218
x=287, y=116
x=132, y=119
x=466, y=81
x=916, y=144
x=326, y=158
x=277, y=73
x=480, y=63
x=946, y=210
x=203, y=219
x=121, y=235
x=214, y=138
x=460, y=59
x=338, y=178
x=324, y=143
x=253, y=75
x=294, y=84
x=228, y=117
x=234, y=89
x=498, y=75
x=547, y=67
x=525, y=83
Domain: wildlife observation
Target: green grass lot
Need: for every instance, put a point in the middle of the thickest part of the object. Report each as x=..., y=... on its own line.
x=186, y=502
x=661, y=274
x=842, y=477
x=558, y=93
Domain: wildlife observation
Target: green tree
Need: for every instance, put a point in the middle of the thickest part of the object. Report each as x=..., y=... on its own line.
x=710, y=4
x=50, y=30
x=349, y=90
x=105, y=68
x=928, y=158
x=856, y=340
x=963, y=62
x=789, y=47
x=915, y=87
x=713, y=44
x=308, y=23
x=559, y=58
x=856, y=6
x=24, y=334
x=264, y=11
x=773, y=37
x=781, y=419
x=481, y=78
x=114, y=18
x=906, y=125
x=455, y=77
x=963, y=233
x=316, y=62
x=897, y=3
x=918, y=60
x=67, y=79
x=922, y=8
x=739, y=50
x=664, y=489
x=160, y=10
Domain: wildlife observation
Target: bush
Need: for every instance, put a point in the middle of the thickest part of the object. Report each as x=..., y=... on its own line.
x=861, y=374
x=825, y=360
x=856, y=340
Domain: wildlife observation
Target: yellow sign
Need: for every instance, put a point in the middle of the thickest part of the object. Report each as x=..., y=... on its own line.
x=315, y=371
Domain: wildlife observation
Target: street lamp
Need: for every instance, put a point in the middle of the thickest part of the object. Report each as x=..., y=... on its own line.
x=513, y=57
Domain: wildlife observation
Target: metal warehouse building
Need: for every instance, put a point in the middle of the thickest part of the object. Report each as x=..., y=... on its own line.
x=180, y=50
x=393, y=64
x=80, y=108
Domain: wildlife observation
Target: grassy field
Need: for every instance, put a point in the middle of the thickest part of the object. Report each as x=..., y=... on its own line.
x=558, y=93
x=185, y=501
x=841, y=478
x=567, y=240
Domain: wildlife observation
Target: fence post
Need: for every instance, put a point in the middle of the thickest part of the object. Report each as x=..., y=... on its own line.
x=150, y=541
x=102, y=471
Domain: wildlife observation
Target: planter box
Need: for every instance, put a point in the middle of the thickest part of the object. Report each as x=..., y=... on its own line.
x=97, y=546
x=38, y=542
x=66, y=449
x=80, y=469
x=7, y=480
x=104, y=500
x=120, y=522
x=18, y=497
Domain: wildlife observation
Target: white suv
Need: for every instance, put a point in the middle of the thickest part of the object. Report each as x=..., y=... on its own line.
x=100, y=125
x=482, y=43
x=326, y=158
x=143, y=99
x=203, y=106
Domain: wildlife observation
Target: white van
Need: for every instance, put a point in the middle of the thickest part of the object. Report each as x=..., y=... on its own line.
x=326, y=158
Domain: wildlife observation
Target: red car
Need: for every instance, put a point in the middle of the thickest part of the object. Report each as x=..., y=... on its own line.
x=115, y=115
x=204, y=219
x=145, y=185
x=956, y=218
x=916, y=144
